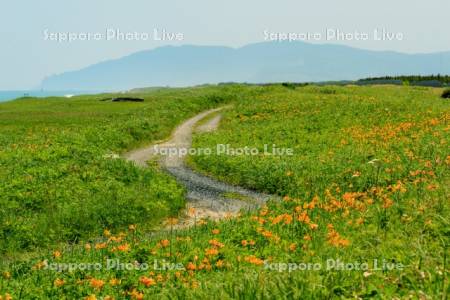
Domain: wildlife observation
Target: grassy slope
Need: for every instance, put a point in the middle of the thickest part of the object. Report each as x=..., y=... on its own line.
x=57, y=181
x=334, y=132
x=353, y=147
x=338, y=206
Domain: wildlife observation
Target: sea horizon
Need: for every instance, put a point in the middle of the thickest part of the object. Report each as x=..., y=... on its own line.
x=15, y=94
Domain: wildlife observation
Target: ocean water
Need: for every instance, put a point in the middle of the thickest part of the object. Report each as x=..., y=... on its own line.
x=11, y=95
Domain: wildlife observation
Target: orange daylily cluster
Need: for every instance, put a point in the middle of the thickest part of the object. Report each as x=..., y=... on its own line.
x=6, y=297
x=211, y=252
x=164, y=243
x=147, y=281
x=216, y=243
x=124, y=247
x=97, y=283
x=57, y=254
x=100, y=246
x=254, y=260
x=136, y=295
x=205, y=264
x=334, y=237
x=246, y=243
x=285, y=218
x=59, y=282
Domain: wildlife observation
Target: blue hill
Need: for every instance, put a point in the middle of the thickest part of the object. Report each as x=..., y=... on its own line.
x=255, y=63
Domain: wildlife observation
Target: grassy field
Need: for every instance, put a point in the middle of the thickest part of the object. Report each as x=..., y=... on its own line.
x=365, y=209
x=59, y=176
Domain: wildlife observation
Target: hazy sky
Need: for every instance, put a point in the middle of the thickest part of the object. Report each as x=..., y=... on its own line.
x=26, y=57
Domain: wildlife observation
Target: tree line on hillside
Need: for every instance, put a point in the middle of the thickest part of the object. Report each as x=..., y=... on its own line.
x=413, y=80
x=431, y=80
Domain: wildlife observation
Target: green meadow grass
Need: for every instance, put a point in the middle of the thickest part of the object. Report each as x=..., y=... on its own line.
x=333, y=132
x=59, y=178
x=366, y=188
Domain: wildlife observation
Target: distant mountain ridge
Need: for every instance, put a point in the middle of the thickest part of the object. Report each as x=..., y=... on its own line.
x=256, y=63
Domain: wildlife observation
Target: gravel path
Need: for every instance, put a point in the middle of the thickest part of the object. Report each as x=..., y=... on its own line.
x=207, y=197
x=211, y=125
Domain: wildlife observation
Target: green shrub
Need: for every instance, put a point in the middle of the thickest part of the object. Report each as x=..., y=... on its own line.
x=288, y=85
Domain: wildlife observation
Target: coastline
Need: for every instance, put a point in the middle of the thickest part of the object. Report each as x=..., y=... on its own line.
x=6, y=96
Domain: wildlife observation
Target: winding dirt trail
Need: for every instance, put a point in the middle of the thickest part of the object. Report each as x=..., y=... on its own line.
x=208, y=197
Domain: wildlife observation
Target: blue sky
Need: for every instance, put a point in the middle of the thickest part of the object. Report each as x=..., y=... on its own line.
x=26, y=57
